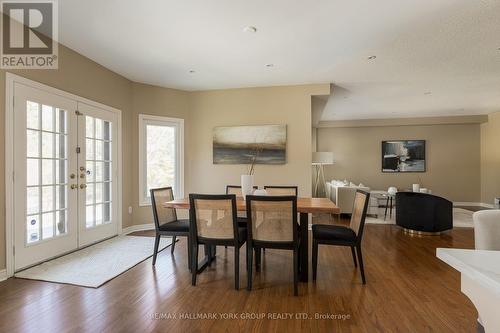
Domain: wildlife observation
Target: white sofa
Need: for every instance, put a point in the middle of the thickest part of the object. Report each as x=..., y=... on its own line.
x=487, y=229
x=342, y=194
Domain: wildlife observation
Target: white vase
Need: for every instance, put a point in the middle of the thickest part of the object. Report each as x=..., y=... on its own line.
x=246, y=185
x=416, y=187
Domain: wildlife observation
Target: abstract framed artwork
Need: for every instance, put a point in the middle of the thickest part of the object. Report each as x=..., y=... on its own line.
x=403, y=156
x=242, y=144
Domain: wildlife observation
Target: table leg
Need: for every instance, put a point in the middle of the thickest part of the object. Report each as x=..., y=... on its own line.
x=304, y=247
x=208, y=259
x=386, y=205
x=390, y=211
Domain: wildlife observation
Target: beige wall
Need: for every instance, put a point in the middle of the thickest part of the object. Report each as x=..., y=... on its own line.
x=80, y=76
x=490, y=159
x=253, y=106
x=157, y=101
x=453, y=158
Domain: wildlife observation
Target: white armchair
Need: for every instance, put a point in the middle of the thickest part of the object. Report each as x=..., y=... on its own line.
x=487, y=229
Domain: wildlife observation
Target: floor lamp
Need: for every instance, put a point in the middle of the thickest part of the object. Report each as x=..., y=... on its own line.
x=319, y=160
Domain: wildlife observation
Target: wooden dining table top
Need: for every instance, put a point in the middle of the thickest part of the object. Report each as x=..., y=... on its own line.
x=304, y=205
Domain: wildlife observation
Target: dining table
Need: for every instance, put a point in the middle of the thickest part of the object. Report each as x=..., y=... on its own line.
x=305, y=206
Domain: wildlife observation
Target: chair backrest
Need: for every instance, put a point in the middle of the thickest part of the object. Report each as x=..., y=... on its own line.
x=281, y=190
x=272, y=218
x=358, y=215
x=213, y=216
x=236, y=190
x=162, y=214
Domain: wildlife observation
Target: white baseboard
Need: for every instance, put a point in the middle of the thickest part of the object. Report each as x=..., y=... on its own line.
x=138, y=227
x=3, y=275
x=477, y=204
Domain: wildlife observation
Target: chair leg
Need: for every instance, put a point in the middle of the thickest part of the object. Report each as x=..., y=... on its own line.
x=155, y=253
x=174, y=240
x=360, y=259
x=236, y=267
x=296, y=272
x=249, y=267
x=354, y=256
x=208, y=253
x=315, y=258
x=257, y=259
x=190, y=253
x=194, y=263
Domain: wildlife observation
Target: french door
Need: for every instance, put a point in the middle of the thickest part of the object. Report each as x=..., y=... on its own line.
x=65, y=156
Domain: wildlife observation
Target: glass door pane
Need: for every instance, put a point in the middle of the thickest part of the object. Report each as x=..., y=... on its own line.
x=45, y=128
x=98, y=161
x=97, y=180
x=46, y=172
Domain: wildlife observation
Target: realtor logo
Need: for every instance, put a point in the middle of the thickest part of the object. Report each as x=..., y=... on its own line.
x=29, y=35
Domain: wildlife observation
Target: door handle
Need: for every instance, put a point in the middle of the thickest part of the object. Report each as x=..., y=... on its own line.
x=73, y=186
x=82, y=186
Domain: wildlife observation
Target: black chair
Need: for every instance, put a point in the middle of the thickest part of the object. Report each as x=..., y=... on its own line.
x=272, y=223
x=281, y=190
x=423, y=213
x=236, y=190
x=344, y=236
x=213, y=221
x=166, y=221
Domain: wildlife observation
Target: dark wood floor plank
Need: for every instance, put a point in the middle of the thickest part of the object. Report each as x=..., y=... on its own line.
x=408, y=290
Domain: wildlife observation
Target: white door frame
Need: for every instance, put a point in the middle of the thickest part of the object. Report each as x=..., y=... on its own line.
x=10, y=80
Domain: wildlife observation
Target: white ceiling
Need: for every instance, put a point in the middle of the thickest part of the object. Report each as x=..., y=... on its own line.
x=447, y=47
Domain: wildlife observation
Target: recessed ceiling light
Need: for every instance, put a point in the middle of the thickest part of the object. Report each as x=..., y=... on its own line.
x=250, y=29
x=428, y=93
x=269, y=65
x=372, y=57
x=192, y=71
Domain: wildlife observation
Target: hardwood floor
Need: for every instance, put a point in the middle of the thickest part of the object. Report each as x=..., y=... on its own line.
x=408, y=290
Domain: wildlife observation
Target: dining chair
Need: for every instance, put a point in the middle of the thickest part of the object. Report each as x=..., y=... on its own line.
x=166, y=221
x=236, y=190
x=344, y=236
x=272, y=223
x=213, y=221
x=281, y=190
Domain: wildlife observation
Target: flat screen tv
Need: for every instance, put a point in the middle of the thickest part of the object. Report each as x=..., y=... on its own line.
x=403, y=156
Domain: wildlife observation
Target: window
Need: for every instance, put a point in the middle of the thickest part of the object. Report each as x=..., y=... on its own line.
x=161, y=150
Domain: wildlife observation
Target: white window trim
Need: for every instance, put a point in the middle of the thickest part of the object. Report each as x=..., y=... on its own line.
x=145, y=120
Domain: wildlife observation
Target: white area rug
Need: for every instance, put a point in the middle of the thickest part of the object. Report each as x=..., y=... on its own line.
x=97, y=264
x=462, y=218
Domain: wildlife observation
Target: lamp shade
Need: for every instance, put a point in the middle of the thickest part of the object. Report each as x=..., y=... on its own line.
x=322, y=158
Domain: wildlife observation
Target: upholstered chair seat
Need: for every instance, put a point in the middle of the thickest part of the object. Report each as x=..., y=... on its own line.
x=178, y=225
x=333, y=232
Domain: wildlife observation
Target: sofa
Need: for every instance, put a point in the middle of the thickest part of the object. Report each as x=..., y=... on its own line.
x=342, y=194
x=423, y=213
x=487, y=229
